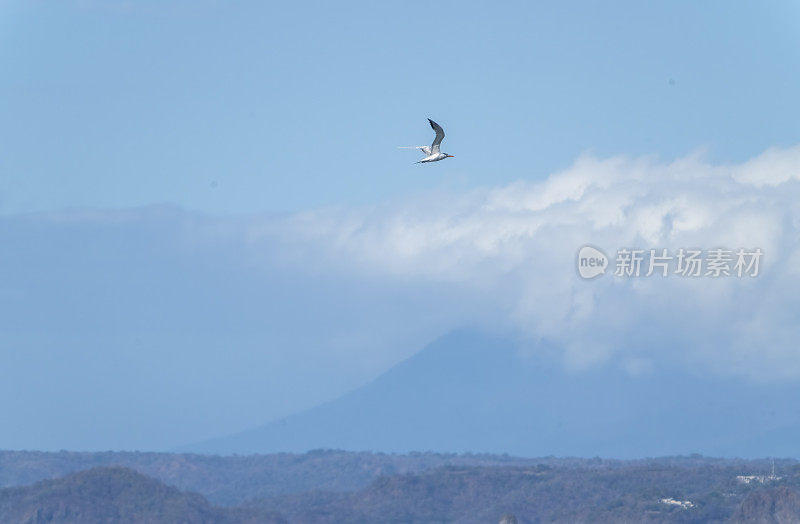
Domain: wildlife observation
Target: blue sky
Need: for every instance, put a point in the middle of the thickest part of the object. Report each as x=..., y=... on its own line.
x=204, y=216
x=276, y=106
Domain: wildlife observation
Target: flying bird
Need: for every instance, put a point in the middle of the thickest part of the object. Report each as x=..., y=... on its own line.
x=432, y=152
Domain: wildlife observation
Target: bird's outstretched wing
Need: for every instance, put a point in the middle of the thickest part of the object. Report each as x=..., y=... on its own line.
x=439, y=136
x=424, y=149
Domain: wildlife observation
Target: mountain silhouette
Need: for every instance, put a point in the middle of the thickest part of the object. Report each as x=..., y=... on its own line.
x=473, y=392
x=113, y=494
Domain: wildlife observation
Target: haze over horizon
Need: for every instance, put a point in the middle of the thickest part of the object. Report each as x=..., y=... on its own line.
x=197, y=240
x=172, y=317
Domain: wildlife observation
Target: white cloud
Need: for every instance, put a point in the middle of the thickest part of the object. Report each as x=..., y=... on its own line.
x=276, y=314
x=514, y=247
x=773, y=167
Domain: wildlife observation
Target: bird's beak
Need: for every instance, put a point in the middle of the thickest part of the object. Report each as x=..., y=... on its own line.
x=451, y=156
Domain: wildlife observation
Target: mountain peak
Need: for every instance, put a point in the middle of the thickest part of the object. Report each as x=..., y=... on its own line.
x=470, y=391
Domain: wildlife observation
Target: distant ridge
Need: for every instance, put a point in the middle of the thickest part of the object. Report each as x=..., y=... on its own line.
x=669, y=489
x=473, y=392
x=101, y=495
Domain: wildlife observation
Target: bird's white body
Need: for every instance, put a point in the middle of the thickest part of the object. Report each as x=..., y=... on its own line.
x=434, y=158
x=432, y=152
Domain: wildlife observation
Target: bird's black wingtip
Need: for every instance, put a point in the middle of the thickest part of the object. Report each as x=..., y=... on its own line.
x=432, y=123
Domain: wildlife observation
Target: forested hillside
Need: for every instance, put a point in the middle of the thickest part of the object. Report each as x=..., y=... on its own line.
x=336, y=486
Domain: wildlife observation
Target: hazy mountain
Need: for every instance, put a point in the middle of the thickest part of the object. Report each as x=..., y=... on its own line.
x=231, y=480
x=472, y=392
x=115, y=494
x=319, y=487
x=212, y=334
x=646, y=492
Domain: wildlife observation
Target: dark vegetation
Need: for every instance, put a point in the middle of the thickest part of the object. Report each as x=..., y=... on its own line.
x=231, y=480
x=115, y=494
x=548, y=494
x=334, y=486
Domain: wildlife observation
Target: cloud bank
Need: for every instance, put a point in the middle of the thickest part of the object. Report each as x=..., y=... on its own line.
x=514, y=247
x=208, y=325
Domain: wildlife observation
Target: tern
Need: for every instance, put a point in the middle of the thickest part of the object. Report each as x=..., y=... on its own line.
x=432, y=152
